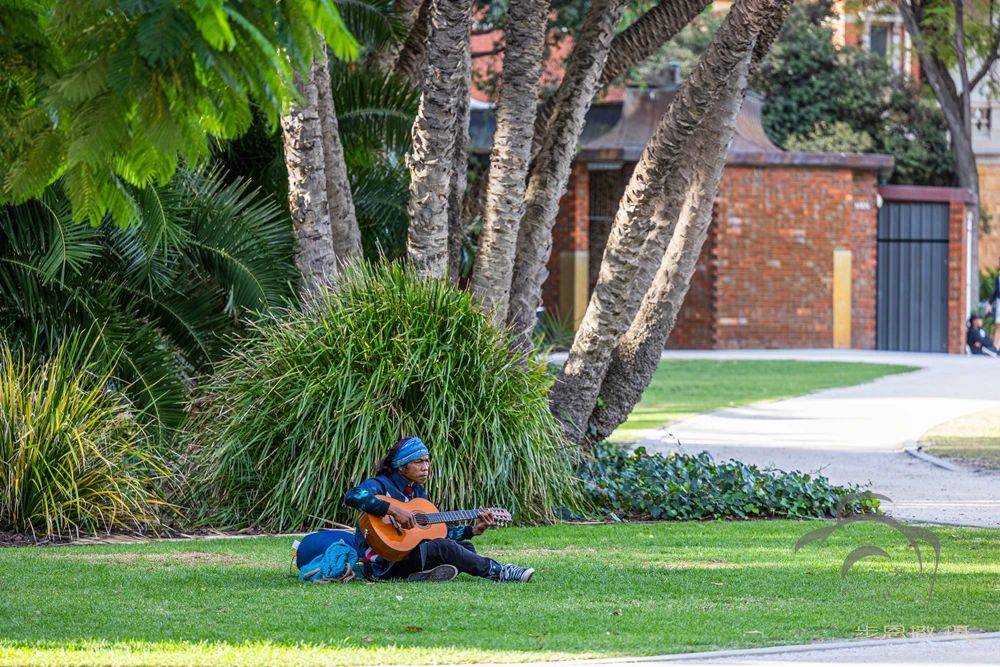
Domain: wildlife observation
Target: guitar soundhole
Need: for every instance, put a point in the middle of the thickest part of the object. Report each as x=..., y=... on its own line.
x=420, y=519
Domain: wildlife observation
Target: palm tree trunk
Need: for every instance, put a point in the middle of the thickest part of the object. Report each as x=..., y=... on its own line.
x=648, y=34
x=551, y=172
x=638, y=352
x=634, y=44
x=431, y=160
x=307, y=199
x=522, y=67
x=384, y=57
x=344, y=231
x=460, y=171
x=647, y=212
x=410, y=61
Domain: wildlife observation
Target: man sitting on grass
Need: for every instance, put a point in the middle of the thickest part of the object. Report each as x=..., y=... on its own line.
x=401, y=475
x=978, y=340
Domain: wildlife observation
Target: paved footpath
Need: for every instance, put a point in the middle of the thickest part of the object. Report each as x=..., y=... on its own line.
x=963, y=649
x=858, y=434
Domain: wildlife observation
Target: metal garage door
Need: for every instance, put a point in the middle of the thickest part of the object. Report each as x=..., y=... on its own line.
x=912, y=277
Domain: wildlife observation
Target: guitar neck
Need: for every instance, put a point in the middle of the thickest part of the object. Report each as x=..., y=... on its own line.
x=457, y=516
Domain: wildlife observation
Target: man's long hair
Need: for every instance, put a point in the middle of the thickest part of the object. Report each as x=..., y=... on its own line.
x=384, y=466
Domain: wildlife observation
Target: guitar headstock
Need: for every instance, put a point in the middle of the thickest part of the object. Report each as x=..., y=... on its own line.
x=501, y=516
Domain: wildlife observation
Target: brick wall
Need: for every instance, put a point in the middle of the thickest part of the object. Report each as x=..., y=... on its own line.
x=764, y=278
x=989, y=192
x=862, y=232
x=695, y=327
x=777, y=229
x=570, y=234
x=957, y=268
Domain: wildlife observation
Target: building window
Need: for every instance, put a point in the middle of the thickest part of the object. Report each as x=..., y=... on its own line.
x=878, y=39
x=982, y=120
x=884, y=36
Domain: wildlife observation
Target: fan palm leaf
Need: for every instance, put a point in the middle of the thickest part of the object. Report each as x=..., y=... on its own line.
x=159, y=296
x=371, y=22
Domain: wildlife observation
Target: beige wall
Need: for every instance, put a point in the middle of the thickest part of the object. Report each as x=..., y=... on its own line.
x=989, y=194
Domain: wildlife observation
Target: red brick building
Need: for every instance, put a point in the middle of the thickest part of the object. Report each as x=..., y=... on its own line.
x=792, y=258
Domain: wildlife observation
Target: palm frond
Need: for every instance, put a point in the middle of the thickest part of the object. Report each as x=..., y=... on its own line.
x=160, y=296
x=380, y=195
x=372, y=22
x=239, y=238
x=373, y=110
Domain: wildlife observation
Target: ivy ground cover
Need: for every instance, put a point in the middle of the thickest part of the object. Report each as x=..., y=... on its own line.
x=600, y=590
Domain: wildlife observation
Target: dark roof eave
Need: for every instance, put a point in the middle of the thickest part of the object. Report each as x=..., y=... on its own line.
x=858, y=161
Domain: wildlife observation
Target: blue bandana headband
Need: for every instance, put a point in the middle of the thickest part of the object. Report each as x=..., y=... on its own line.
x=409, y=451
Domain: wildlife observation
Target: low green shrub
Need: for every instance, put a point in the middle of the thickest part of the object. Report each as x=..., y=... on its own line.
x=303, y=409
x=640, y=485
x=72, y=456
x=158, y=297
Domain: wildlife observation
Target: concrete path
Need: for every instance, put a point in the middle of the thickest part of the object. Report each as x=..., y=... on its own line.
x=857, y=434
x=960, y=649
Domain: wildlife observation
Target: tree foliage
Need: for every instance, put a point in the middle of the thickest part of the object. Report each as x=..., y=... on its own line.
x=375, y=112
x=115, y=93
x=871, y=100
x=158, y=296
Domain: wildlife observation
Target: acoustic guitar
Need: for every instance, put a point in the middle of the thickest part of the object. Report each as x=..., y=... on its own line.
x=393, y=542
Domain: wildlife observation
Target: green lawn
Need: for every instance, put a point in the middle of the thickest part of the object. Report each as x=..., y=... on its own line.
x=973, y=439
x=682, y=388
x=601, y=590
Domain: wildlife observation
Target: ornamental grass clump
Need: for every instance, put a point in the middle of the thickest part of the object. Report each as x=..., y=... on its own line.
x=73, y=459
x=305, y=406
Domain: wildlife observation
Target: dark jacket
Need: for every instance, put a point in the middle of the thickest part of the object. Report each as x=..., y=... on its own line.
x=978, y=340
x=362, y=498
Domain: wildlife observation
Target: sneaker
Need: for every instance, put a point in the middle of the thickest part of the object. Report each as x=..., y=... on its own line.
x=511, y=572
x=439, y=573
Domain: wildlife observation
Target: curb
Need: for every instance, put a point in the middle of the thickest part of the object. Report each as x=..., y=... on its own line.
x=768, y=650
x=917, y=452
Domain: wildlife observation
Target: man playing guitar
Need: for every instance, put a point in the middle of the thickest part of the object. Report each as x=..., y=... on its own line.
x=401, y=475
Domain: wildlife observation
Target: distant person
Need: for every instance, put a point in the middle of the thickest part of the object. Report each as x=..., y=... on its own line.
x=978, y=340
x=995, y=296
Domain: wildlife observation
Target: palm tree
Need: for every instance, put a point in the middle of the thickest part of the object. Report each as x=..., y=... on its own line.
x=644, y=223
x=156, y=298
x=637, y=352
x=631, y=46
x=525, y=42
x=549, y=177
x=431, y=160
x=305, y=162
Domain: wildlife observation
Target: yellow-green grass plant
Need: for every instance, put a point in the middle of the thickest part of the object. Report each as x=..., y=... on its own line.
x=302, y=410
x=73, y=458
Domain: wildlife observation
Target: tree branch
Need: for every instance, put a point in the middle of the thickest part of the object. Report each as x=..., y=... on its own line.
x=963, y=65
x=990, y=58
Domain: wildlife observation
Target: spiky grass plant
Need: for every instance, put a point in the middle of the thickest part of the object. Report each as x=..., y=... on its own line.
x=301, y=411
x=72, y=457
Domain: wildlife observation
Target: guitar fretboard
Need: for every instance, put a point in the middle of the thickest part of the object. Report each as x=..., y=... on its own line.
x=456, y=516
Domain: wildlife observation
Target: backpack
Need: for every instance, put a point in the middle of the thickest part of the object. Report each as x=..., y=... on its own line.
x=327, y=555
